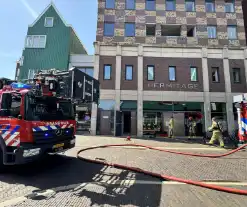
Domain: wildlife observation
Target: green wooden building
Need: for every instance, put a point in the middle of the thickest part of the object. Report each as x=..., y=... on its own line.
x=48, y=44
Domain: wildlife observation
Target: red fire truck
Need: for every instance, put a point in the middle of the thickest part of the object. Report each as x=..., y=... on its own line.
x=38, y=117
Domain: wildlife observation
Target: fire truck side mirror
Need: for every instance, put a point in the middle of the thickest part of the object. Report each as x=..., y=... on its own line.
x=20, y=117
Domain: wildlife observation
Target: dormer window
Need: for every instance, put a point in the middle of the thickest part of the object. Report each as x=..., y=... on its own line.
x=49, y=22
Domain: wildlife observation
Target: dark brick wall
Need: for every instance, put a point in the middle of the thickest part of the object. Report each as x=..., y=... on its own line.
x=129, y=84
x=238, y=87
x=220, y=86
x=182, y=74
x=107, y=84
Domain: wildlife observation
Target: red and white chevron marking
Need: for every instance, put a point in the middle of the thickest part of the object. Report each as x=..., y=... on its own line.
x=12, y=140
x=67, y=126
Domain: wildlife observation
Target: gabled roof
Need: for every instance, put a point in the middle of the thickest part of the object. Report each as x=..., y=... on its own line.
x=61, y=17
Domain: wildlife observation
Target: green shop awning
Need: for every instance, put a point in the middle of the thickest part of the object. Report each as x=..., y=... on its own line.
x=128, y=105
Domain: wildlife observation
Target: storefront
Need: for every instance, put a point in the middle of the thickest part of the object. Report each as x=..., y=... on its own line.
x=105, y=117
x=156, y=116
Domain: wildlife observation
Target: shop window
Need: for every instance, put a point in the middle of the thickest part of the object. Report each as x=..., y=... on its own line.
x=190, y=5
x=150, y=5
x=172, y=73
x=218, y=110
x=129, y=72
x=130, y=4
x=193, y=74
x=129, y=29
x=229, y=6
x=236, y=75
x=150, y=29
x=170, y=5
x=232, y=32
x=152, y=121
x=110, y=4
x=150, y=73
x=109, y=29
x=218, y=107
x=107, y=72
x=215, y=75
x=211, y=32
x=210, y=6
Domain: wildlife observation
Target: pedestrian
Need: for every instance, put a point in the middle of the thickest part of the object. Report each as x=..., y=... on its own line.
x=171, y=127
x=217, y=134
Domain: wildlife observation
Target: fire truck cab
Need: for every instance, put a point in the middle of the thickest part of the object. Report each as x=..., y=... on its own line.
x=34, y=120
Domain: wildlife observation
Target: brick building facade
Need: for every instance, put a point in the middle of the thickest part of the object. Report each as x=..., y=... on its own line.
x=155, y=58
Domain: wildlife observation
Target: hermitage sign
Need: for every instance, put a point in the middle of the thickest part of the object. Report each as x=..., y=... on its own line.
x=173, y=86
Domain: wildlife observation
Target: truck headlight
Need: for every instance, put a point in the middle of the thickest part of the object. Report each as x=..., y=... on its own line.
x=31, y=152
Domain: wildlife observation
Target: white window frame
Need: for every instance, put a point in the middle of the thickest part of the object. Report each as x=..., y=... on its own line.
x=45, y=24
x=32, y=37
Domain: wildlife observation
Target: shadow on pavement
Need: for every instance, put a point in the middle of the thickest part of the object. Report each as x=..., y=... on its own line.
x=61, y=173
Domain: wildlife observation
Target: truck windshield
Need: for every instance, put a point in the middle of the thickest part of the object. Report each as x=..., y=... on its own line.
x=48, y=109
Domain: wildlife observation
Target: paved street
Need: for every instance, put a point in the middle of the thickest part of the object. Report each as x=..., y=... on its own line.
x=66, y=181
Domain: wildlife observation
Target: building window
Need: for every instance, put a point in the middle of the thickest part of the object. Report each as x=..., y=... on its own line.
x=130, y=4
x=211, y=32
x=210, y=6
x=150, y=29
x=193, y=74
x=215, y=75
x=191, y=31
x=172, y=73
x=229, y=6
x=150, y=5
x=49, y=22
x=109, y=29
x=170, y=5
x=35, y=41
x=107, y=72
x=236, y=75
x=150, y=73
x=190, y=5
x=110, y=4
x=129, y=72
x=171, y=30
x=129, y=29
x=232, y=32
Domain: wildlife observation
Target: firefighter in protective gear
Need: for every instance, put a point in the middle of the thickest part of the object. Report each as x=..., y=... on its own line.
x=171, y=127
x=192, y=127
x=217, y=134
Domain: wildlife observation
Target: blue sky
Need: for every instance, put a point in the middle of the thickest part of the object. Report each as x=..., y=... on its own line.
x=16, y=15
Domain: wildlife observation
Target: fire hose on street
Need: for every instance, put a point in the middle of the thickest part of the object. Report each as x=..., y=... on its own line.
x=165, y=177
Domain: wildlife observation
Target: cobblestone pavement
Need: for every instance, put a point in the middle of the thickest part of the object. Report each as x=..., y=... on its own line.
x=72, y=182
